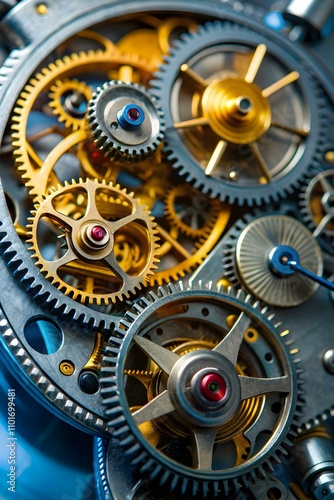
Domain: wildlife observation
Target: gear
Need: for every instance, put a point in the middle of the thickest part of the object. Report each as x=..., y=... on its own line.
x=92, y=220
x=125, y=121
x=247, y=259
x=213, y=388
x=317, y=207
x=179, y=253
x=69, y=99
x=231, y=131
x=35, y=172
x=190, y=211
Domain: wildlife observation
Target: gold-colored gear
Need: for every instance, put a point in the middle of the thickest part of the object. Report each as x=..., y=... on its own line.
x=179, y=252
x=37, y=174
x=193, y=213
x=58, y=92
x=159, y=39
x=86, y=266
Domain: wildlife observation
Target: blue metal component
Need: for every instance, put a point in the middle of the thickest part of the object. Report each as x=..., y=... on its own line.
x=318, y=279
x=130, y=116
x=279, y=257
x=275, y=21
x=284, y=260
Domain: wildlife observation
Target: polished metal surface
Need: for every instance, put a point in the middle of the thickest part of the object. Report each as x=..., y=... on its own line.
x=187, y=144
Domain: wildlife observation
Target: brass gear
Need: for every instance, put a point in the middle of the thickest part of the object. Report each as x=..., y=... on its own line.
x=35, y=172
x=193, y=213
x=60, y=92
x=93, y=221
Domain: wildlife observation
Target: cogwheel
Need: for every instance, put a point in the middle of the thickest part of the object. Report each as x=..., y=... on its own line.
x=238, y=113
x=34, y=172
x=190, y=211
x=68, y=100
x=125, y=121
x=76, y=234
x=214, y=388
x=247, y=254
x=317, y=207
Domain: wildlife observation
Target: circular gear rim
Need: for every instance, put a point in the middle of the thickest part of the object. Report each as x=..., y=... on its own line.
x=112, y=147
x=119, y=415
x=189, y=169
x=231, y=266
x=92, y=298
x=56, y=92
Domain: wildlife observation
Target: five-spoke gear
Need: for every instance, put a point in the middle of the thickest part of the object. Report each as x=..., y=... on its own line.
x=194, y=380
x=78, y=234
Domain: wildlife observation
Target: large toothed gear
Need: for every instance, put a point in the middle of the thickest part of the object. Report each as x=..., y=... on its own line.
x=125, y=121
x=93, y=241
x=238, y=111
x=193, y=372
x=248, y=251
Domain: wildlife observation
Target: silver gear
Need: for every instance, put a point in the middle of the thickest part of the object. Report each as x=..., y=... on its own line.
x=125, y=120
x=246, y=259
x=161, y=344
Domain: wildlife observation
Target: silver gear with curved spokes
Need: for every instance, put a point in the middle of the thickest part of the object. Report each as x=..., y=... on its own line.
x=191, y=379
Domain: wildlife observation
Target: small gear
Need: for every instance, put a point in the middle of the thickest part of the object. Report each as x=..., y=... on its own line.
x=93, y=222
x=190, y=211
x=247, y=259
x=317, y=207
x=34, y=172
x=214, y=388
x=238, y=113
x=125, y=121
x=68, y=100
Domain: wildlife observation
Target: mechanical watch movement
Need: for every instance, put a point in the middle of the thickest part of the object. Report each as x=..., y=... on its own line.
x=166, y=234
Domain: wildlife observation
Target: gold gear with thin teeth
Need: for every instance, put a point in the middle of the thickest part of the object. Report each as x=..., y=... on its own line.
x=196, y=205
x=57, y=91
x=82, y=271
x=29, y=166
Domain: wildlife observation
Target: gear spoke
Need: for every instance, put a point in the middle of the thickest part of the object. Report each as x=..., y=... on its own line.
x=203, y=441
x=256, y=61
x=57, y=152
x=216, y=157
x=175, y=244
x=115, y=226
x=230, y=345
x=60, y=218
x=191, y=75
x=111, y=262
x=253, y=386
x=322, y=224
x=54, y=266
x=254, y=147
x=159, y=406
x=164, y=358
x=280, y=84
x=194, y=122
x=292, y=130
